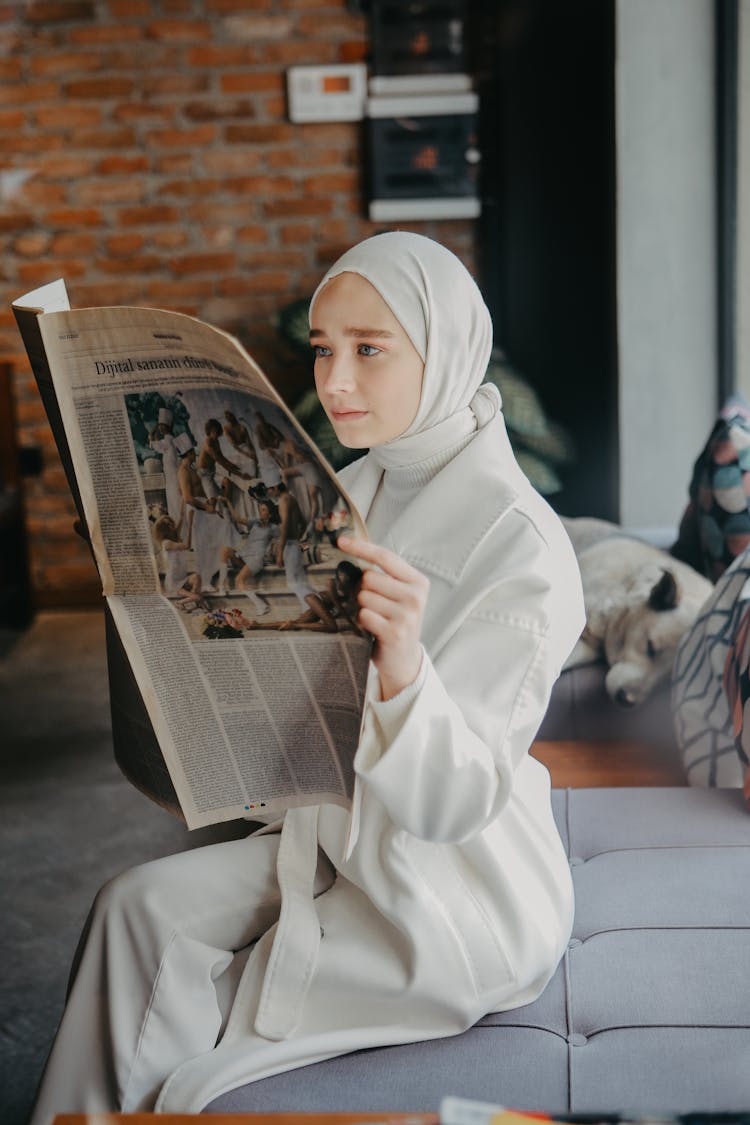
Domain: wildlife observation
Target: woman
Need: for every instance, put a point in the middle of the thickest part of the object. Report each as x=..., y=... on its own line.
x=181, y=582
x=445, y=893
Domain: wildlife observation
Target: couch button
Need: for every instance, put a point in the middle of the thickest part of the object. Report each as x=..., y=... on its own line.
x=574, y=943
x=576, y=861
x=577, y=1040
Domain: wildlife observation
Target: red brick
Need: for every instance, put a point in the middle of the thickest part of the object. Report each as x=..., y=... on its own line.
x=355, y=51
x=259, y=134
x=64, y=167
x=74, y=217
x=274, y=107
x=332, y=183
x=36, y=191
x=32, y=244
x=283, y=208
x=258, y=82
x=100, y=88
x=130, y=9
x=123, y=245
x=175, y=83
x=74, y=243
x=203, y=263
x=27, y=92
x=30, y=410
x=183, y=31
x=148, y=216
x=253, y=28
x=182, y=138
x=169, y=239
x=143, y=111
x=177, y=163
x=167, y=292
x=229, y=162
x=296, y=232
x=12, y=119
x=112, y=191
x=218, y=238
x=31, y=143
x=335, y=230
x=265, y=281
x=220, y=109
x=218, y=56
x=65, y=62
x=10, y=69
x=36, y=273
x=190, y=187
x=224, y=6
x=122, y=165
x=104, y=138
x=58, y=11
x=70, y=578
x=255, y=233
x=290, y=259
x=321, y=157
x=314, y=25
x=217, y=212
x=108, y=293
x=259, y=186
x=291, y=51
x=67, y=116
x=132, y=266
x=105, y=33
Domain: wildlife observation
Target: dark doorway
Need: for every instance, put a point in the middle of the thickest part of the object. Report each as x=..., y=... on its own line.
x=547, y=237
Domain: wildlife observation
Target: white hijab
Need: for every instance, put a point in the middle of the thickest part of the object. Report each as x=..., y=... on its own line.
x=437, y=303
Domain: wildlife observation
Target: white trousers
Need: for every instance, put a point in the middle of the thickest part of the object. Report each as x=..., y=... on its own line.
x=159, y=964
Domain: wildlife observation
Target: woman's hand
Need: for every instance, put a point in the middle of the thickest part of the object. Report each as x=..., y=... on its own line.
x=391, y=607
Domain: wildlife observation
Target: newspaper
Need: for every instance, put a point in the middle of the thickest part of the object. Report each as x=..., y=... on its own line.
x=213, y=521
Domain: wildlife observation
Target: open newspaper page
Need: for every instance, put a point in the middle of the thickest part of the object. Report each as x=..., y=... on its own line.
x=214, y=523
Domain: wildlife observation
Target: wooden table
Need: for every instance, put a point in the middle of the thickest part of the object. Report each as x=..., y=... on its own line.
x=594, y=764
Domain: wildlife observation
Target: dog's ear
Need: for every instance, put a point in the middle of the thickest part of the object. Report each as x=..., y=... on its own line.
x=666, y=592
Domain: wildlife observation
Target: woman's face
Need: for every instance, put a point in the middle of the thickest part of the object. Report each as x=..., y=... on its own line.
x=368, y=374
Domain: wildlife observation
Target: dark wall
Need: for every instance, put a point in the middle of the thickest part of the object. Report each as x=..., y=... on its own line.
x=546, y=81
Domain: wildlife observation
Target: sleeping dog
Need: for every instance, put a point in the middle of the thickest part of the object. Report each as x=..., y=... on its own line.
x=639, y=603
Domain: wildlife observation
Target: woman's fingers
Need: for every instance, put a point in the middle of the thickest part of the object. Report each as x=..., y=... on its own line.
x=388, y=561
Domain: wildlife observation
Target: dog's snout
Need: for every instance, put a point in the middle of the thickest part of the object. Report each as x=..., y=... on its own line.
x=624, y=698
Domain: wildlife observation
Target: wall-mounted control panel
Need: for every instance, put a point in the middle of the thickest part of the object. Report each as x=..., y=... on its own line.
x=327, y=93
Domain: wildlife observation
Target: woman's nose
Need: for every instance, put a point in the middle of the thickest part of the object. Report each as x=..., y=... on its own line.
x=338, y=375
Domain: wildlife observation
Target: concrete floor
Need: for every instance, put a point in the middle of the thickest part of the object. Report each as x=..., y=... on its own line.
x=68, y=822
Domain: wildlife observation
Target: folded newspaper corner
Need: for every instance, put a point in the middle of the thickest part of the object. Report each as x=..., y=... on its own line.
x=238, y=672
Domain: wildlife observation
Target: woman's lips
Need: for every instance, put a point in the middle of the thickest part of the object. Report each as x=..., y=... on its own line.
x=348, y=415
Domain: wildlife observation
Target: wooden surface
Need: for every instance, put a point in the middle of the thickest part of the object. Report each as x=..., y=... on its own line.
x=595, y=764
x=245, y=1118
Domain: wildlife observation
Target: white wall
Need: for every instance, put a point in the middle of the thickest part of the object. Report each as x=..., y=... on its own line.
x=743, y=204
x=666, y=251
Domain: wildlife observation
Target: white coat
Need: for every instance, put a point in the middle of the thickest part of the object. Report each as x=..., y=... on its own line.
x=456, y=897
x=446, y=897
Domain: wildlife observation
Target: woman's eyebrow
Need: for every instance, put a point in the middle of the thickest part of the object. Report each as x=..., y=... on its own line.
x=358, y=333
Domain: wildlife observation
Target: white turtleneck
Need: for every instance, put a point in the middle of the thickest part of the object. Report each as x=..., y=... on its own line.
x=400, y=484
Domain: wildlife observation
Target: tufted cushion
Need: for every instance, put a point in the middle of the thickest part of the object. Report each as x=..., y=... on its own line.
x=649, y=1010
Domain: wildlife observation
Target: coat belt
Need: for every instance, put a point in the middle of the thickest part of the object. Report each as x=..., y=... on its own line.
x=294, y=952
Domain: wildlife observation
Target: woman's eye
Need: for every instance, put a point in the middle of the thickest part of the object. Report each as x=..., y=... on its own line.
x=368, y=349
x=320, y=351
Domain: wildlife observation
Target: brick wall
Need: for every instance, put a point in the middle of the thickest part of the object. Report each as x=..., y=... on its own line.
x=147, y=158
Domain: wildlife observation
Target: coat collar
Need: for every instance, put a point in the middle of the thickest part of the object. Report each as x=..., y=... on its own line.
x=440, y=530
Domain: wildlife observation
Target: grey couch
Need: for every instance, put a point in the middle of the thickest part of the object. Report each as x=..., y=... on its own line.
x=649, y=1010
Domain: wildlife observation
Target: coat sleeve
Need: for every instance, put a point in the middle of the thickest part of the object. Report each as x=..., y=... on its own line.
x=441, y=755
